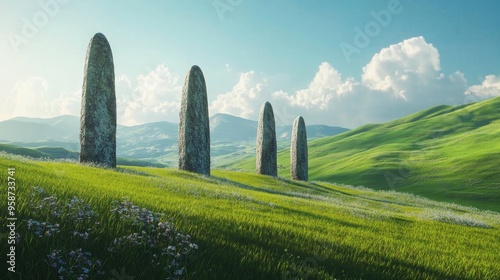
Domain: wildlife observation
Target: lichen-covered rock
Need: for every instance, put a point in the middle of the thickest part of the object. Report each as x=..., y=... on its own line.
x=266, y=158
x=194, y=126
x=298, y=151
x=98, y=112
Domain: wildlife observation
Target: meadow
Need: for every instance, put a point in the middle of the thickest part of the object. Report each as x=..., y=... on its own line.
x=446, y=153
x=234, y=225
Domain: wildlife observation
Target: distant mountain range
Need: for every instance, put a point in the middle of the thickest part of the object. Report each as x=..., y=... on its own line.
x=156, y=142
x=22, y=129
x=226, y=128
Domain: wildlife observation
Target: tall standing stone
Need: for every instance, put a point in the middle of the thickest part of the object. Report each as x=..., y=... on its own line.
x=194, y=126
x=98, y=112
x=298, y=151
x=266, y=158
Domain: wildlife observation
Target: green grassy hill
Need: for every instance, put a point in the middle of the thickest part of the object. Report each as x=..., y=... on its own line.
x=449, y=153
x=61, y=153
x=58, y=152
x=246, y=226
x=12, y=149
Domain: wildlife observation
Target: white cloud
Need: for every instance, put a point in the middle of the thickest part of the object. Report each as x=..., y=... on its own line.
x=68, y=103
x=124, y=96
x=393, y=68
x=156, y=97
x=488, y=88
x=321, y=90
x=29, y=98
x=245, y=98
x=399, y=80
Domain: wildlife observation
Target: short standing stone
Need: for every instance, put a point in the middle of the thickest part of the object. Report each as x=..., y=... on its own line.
x=98, y=112
x=266, y=157
x=298, y=151
x=194, y=126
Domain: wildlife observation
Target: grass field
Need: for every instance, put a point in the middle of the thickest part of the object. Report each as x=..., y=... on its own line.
x=447, y=153
x=245, y=226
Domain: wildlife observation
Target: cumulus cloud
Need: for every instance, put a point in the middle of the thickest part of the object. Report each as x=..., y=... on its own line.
x=244, y=99
x=393, y=68
x=29, y=98
x=399, y=80
x=395, y=63
x=320, y=92
x=490, y=87
x=68, y=103
x=410, y=70
x=156, y=97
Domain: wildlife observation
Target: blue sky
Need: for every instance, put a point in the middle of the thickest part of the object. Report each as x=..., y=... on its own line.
x=305, y=57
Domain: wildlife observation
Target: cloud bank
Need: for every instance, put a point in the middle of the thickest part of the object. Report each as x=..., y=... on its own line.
x=489, y=88
x=401, y=79
x=156, y=96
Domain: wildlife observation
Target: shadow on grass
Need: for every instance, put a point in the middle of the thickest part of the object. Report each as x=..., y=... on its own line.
x=227, y=252
x=221, y=180
x=133, y=172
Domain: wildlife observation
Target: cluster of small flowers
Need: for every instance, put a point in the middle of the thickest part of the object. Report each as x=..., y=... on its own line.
x=41, y=200
x=76, y=264
x=56, y=262
x=75, y=210
x=458, y=219
x=82, y=235
x=159, y=240
x=78, y=210
x=141, y=217
x=42, y=229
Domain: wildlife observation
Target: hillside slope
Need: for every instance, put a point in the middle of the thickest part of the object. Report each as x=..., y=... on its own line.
x=449, y=153
x=255, y=227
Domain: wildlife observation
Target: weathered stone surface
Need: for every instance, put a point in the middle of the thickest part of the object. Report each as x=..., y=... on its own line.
x=266, y=158
x=299, y=165
x=98, y=112
x=194, y=126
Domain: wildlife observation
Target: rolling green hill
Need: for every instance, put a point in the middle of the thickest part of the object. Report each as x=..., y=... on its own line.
x=15, y=150
x=245, y=226
x=449, y=153
x=61, y=153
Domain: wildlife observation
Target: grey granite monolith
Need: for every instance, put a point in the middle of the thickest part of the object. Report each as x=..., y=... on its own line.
x=266, y=157
x=194, y=126
x=98, y=112
x=298, y=151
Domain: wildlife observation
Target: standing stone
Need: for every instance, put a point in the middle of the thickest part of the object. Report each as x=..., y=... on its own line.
x=194, y=126
x=98, y=112
x=298, y=151
x=266, y=162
